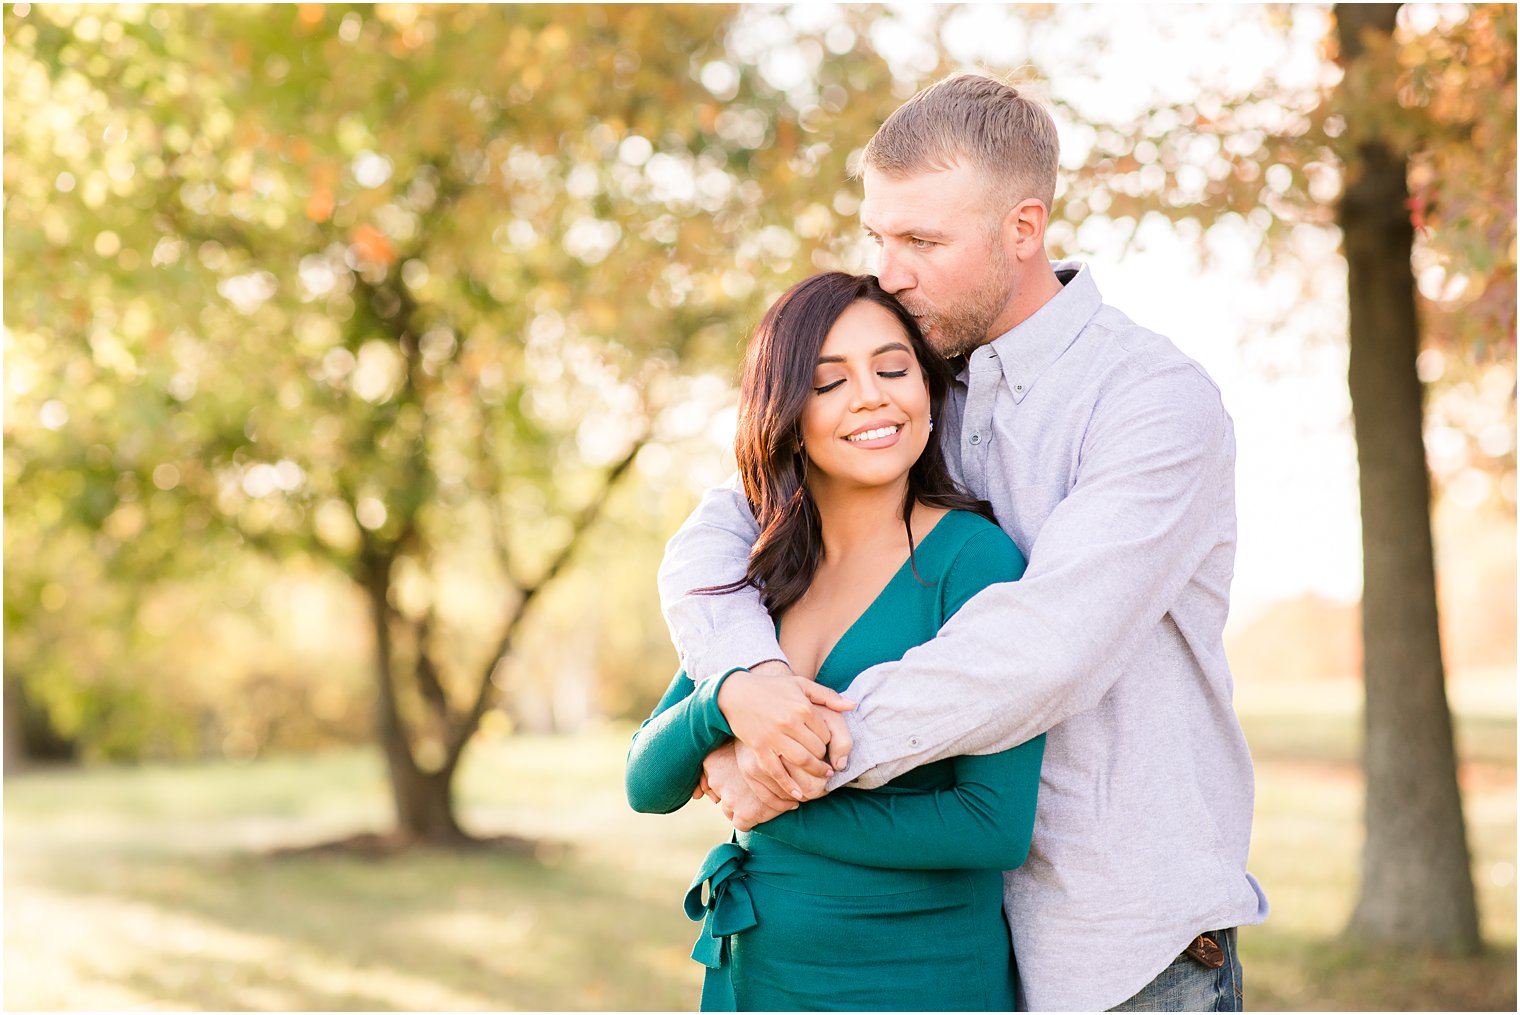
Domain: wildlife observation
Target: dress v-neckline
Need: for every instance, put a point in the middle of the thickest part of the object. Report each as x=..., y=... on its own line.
x=843, y=637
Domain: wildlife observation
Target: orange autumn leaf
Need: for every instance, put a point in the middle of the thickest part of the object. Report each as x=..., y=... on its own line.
x=373, y=245
x=319, y=206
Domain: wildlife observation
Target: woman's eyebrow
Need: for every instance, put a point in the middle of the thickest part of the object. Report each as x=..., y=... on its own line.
x=889, y=347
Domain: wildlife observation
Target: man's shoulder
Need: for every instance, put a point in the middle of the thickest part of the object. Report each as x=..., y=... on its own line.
x=1131, y=355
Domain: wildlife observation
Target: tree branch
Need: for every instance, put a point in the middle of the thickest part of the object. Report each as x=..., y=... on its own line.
x=588, y=515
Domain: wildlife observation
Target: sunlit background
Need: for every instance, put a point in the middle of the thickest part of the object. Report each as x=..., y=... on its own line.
x=321, y=314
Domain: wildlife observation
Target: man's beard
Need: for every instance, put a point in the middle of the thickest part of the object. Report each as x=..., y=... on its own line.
x=963, y=328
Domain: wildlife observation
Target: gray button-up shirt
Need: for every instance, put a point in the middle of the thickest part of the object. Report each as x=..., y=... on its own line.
x=1109, y=458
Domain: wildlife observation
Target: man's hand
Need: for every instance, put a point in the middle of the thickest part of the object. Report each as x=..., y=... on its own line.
x=743, y=803
x=791, y=723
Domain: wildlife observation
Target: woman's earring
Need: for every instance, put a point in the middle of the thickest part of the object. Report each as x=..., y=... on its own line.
x=931, y=424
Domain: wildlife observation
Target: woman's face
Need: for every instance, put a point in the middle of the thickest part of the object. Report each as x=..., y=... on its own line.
x=867, y=420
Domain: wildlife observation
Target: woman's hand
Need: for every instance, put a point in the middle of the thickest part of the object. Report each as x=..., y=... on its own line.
x=743, y=803
x=791, y=724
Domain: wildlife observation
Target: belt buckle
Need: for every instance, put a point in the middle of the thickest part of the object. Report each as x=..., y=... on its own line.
x=1205, y=951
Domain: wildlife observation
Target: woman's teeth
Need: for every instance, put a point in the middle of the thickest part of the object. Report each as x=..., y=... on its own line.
x=871, y=435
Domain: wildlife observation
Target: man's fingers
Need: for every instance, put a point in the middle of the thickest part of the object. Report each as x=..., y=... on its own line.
x=828, y=698
x=840, y=741
x=813, y=737
x=813, y=786
x=809, y=717
x=798, y=759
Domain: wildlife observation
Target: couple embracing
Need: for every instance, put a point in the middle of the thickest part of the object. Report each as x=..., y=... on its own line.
x=952, y=650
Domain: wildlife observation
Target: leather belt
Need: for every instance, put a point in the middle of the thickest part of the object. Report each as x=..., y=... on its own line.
x=1204, y=950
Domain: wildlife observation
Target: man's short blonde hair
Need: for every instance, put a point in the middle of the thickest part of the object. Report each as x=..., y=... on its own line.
x=976, y=119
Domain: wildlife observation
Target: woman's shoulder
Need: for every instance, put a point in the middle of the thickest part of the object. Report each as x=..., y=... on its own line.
x=974, y=554
x=969, y=536
x=962, y=526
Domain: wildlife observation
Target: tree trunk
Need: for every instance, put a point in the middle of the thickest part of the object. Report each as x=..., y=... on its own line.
x=1417, y=889
x=17, y=759
x=424, y=800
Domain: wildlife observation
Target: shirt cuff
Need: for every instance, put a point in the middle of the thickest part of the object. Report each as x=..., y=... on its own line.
x=735, y=649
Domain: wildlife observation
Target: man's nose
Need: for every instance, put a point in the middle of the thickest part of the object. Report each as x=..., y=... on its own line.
x=891, y=271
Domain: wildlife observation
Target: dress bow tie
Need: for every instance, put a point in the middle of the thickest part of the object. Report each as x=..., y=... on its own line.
x=728, y=908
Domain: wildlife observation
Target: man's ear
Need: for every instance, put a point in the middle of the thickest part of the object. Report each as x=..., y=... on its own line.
x=1024, y=229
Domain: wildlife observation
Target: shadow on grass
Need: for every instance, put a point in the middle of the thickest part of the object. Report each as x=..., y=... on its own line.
x=1298, y=973
x=428, y=929
x=478, y=929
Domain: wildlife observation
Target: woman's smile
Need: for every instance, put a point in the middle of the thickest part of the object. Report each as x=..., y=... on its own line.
x=875, y=435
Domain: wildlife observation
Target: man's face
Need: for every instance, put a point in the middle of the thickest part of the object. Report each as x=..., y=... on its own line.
x=941, y=253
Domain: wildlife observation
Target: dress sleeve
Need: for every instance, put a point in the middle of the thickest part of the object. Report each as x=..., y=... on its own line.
x=984, y=821
x=665, y=758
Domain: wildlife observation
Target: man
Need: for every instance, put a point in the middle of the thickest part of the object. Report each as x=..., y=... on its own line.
x=1109, y=459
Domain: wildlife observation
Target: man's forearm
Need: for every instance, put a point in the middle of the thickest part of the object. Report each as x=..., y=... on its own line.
x=715, y=633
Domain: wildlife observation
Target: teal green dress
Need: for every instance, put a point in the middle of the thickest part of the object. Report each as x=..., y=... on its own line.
x=884, y=899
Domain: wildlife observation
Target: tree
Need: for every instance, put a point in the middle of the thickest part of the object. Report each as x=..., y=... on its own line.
x=1411, y=153
x=1417, y=885
x=388, y=290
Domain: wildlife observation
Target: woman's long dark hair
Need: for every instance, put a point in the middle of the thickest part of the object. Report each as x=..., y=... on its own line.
x=778, y=381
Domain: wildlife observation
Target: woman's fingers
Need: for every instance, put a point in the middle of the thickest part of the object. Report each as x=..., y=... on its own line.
x=763, y=767
x=791, y=724
x=779, y=776
x=827, y=697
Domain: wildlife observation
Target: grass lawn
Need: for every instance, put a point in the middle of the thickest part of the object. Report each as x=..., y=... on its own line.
x=150, y=887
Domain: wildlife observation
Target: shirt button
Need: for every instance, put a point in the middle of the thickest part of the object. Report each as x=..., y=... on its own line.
x=976, y=438
x=913, y=741
x=1018, y=387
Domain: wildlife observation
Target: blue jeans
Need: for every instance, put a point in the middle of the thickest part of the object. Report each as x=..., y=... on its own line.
x=1189, y=985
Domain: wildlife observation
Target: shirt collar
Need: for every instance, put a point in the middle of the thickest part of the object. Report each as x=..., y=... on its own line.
x=1027, y=349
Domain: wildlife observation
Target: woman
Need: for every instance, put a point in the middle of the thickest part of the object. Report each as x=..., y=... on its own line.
x=881, y=899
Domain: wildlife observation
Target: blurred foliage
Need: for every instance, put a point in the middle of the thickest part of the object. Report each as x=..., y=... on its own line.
x=376, y=289
x=303, y=295
x=1269, y=164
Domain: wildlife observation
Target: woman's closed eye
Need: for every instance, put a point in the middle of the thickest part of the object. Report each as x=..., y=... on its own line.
x=894, y=374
